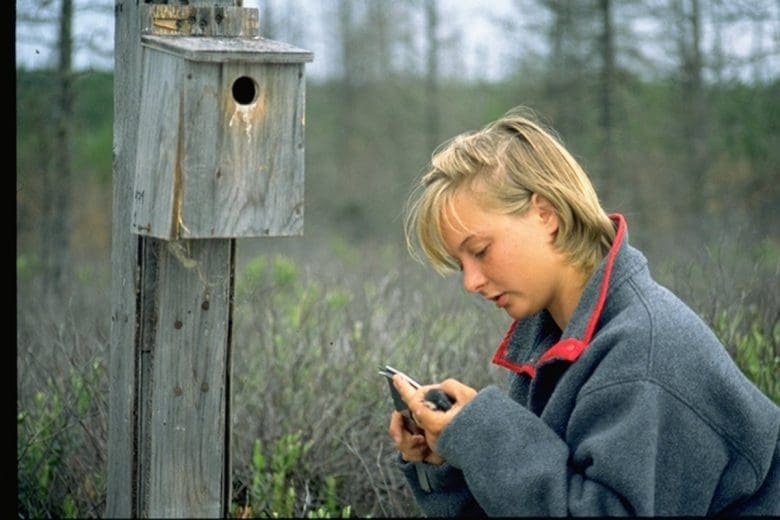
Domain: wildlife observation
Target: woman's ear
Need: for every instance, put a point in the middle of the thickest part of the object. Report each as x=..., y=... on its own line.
x=546, y=213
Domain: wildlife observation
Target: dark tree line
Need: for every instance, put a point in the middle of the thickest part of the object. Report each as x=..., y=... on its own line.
x=651, y=95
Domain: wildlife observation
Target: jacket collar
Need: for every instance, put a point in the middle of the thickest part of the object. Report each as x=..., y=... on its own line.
x=579, y=332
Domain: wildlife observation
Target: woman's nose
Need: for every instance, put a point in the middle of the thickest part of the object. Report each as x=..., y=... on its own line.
x=473, y=279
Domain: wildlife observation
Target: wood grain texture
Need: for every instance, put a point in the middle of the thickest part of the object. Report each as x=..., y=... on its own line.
x=245, y=179
x=184, y=453
x=228, y=50
x=158, y=132
x=210, y=165
x=219, y=19
x=124, y=259
x=167, y=457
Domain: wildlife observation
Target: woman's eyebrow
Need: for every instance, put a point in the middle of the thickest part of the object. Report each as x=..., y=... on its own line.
x=465, y=241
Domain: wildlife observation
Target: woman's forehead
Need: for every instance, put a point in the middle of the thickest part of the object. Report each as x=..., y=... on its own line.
x=458, y=212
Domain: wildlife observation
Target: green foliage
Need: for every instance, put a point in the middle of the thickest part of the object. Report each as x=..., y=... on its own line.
x=46, y=438
x=754, y=345
x=253, y=274
x=273, y=492
x=93, y=123
x=362, y=152
x=38, y=453
x=309, y=412
x=312, y=325
x=69, y=509
x=308, y=346
x=28, y=266
x=746, y=119
x=61, y=405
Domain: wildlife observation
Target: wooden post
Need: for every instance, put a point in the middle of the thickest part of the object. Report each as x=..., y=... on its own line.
x=170, y=356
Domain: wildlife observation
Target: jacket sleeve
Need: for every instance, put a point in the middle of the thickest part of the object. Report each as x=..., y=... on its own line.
x=444, y=492
x=631, y=448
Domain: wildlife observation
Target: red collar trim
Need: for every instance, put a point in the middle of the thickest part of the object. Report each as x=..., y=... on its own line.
x=568, y=349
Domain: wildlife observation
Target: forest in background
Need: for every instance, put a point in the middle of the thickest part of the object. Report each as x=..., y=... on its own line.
x=677, y=129
x=682, y=145
x=359, y=172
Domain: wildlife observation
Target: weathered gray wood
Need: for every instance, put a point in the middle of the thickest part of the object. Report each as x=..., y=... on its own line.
x=158, y=166
x=210, y=165
x=255, y=172
x=219, y=19
x=187, y=403
x=221, y=50
x=153, y=471
x=124, y=259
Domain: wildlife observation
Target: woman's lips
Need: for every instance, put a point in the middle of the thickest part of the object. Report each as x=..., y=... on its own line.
x=501, y=300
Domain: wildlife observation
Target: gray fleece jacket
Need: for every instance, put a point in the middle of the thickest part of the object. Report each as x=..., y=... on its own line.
x=635, y=409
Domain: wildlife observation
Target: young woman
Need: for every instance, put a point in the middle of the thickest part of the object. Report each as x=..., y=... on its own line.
x=621, y=400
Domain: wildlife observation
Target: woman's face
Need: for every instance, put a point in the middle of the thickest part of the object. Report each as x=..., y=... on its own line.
x=508, y=259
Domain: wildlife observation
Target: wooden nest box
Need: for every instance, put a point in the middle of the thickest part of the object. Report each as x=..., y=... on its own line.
x=220, y=138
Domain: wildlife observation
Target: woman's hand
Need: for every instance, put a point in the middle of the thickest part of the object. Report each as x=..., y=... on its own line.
x=413, y=446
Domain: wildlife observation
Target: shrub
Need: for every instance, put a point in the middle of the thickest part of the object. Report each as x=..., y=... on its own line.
x=274, y=488
x=754, y=344
x=309, y=411
x=61, y=407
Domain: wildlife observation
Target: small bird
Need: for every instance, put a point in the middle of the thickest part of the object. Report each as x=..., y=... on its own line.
x=437, y=399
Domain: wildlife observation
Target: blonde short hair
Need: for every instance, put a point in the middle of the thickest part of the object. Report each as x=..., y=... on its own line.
x=504, y=164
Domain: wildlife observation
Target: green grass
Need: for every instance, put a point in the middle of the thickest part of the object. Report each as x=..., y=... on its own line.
x=310, y=413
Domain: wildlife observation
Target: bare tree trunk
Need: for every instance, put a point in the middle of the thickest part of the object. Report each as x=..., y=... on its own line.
x=561, y=76
x=759, y=69
x=351, y=211
x=57, y=200
x=718, y=59
x=379, y=19
x=608, y=81
x=347, y=82
x=432, y=116
x=267, y=21
x=694, y=110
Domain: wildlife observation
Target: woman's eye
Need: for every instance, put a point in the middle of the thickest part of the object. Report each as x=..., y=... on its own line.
x=481, y=253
